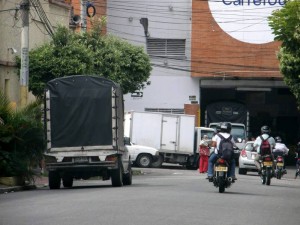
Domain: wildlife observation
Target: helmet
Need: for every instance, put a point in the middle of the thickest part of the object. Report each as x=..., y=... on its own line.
x=218, y=128
x=265, y=130
x=278, y=139
x=225, y=127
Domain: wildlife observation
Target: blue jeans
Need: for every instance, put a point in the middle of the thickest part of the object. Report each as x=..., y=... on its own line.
x=212, y=159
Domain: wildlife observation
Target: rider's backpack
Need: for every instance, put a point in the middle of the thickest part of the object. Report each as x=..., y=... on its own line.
x=265, y=147
x=225, y=147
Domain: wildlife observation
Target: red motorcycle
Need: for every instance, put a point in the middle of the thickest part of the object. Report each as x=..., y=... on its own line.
x=279, y=171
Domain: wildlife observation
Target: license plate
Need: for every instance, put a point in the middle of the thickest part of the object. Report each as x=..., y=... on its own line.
x=221, y=168
x=279, y=164
x=81, y=159
x=267, y=163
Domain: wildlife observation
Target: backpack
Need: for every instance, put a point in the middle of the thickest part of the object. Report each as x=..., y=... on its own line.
x=265, y=147
x=225, y=148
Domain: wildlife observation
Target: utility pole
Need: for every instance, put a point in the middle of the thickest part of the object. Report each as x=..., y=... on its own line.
x=24, y=73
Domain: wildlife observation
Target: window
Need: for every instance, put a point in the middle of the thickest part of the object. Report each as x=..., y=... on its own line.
x=165, y=110
x=168, y=48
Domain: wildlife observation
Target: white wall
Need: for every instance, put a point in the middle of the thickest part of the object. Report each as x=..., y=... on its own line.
x=171, y=82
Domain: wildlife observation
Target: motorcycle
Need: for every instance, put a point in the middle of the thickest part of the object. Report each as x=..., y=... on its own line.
x=220, y=179
x=279, y=171
x=266, y=169
x=298, y=168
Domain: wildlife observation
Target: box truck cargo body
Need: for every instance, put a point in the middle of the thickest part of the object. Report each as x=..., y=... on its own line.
x=84, y=128
x=174, y=135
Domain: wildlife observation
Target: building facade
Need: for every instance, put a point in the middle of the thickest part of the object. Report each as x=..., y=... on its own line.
x=201, y=52
x=208, y=51
x=11, y=19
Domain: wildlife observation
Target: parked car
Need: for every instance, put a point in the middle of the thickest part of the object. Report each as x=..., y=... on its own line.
x=246, y=158
x=141, y=156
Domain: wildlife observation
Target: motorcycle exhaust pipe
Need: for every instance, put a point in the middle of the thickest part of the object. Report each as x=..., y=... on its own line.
x=229, y=179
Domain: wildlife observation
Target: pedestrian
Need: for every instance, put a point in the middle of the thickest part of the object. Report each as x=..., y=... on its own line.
x=204, y=154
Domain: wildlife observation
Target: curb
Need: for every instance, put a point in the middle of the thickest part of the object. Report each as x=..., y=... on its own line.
x=9, y=189
x=5, y=190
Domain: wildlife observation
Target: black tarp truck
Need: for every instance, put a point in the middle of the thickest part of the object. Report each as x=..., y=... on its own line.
x=229, y=111
x=84, y=128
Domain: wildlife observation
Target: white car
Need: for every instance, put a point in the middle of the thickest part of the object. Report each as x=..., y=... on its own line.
x=246, y=159
x=141, y=156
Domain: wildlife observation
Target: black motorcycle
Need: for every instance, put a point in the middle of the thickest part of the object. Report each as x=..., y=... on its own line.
x=266, y=169
x=220, y=178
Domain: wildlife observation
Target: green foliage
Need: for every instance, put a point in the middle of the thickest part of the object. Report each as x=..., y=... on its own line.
x=21, y=138
x=285, y=24
x=121, y=62
x=88, y=53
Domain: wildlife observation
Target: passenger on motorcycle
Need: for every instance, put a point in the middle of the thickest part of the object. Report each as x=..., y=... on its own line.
x=225, y=129
x=265, y=135
x=280, y=149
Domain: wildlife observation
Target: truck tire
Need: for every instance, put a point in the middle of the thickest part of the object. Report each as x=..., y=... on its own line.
x=116, y=177
x=158, y=162
x=144, y=160
x=67, y=181
x=54, y=180
x=127, y=177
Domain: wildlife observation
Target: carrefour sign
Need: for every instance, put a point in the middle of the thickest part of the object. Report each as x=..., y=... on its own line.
x=245, y=20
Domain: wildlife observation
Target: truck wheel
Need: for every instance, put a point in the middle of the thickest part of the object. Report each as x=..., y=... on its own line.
x=144, y=160
x=67, y=180
x=158, y=162
x=54, y=180
x=127, y=177
x=116, y=177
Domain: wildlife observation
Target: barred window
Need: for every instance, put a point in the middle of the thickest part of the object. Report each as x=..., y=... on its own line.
x=168, y=48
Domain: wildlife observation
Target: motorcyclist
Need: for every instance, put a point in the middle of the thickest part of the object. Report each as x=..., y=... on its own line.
x=265, y=134
x=225, y=129
x=280, y=149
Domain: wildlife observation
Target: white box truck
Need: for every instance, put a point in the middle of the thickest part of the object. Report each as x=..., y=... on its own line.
x=174, y=135
x=84, y=118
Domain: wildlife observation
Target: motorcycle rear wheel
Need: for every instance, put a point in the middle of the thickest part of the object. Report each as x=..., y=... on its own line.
x=263, y=179
x=221, y=185
x=268, y=176
x=278, y=175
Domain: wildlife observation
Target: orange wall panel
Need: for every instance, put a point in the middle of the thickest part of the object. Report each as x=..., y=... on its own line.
x=214, y=53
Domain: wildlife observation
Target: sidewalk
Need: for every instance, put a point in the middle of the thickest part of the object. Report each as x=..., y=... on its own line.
x=40, y=181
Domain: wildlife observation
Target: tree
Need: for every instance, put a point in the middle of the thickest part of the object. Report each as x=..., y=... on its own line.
x=22, y=140
x=88, y=53
x=285, y=24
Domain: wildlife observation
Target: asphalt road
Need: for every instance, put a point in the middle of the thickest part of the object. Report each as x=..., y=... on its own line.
x=168, y=196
